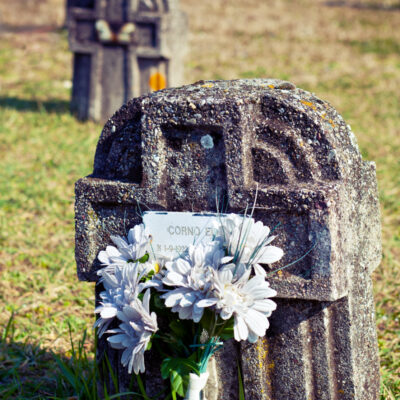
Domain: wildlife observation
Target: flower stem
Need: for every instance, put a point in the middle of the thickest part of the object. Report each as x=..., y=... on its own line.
x=221, y=329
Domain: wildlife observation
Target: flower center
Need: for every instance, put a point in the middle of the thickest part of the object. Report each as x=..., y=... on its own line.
x=234, y=297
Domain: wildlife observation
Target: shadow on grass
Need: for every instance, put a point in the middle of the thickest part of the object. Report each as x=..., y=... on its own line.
x=29, y=372
x=364, y=6
x=49, y=106
x=7, y=28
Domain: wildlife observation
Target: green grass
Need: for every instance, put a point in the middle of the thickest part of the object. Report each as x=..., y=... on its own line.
x=43, y=150
x=349, y=58
x=28, y=371
x=382, y=47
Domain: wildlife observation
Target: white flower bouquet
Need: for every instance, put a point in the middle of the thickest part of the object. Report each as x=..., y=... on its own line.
x=210, y=293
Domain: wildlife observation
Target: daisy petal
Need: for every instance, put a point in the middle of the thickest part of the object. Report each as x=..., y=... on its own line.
x=240, y=329
x=269, y=255
x=207, y=302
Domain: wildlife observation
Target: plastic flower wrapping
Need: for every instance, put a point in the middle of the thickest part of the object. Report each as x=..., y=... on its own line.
x=210, y=293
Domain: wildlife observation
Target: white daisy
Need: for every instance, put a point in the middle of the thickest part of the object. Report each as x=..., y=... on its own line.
x=247, y=300
x=248, y=241
x=135, y=332
x=128, y=250
x=122, y=288
x=192, y=278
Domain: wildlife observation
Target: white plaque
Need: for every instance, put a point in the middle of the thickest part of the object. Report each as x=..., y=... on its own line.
x=173, y=232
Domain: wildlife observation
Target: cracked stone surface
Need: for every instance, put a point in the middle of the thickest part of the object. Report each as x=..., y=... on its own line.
x=179, y=149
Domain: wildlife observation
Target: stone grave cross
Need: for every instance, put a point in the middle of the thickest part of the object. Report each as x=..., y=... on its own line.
x=177, y=149
x=122, y=49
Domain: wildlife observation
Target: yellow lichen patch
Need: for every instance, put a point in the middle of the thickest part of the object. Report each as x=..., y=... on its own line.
x=92, y=216
x=271, y=86
x=271, y=365
x=209, y=85
x=157, y=81
x=309, y=104
x=323, y=116
x=262, y=352
x=280, y=273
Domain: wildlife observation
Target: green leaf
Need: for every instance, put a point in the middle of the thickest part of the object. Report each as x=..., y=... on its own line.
x=178, y=328
x=184, y=365
x=177, y=383
x=227, y=332
x=111, y=371
x=241, y=388
x=158, y=303
x=141, y=387
x=178, y=369
x=150, y=275
x=208, y=319
x=67, y=372
x=119, y=395
x=144, y=259
x=165, y=368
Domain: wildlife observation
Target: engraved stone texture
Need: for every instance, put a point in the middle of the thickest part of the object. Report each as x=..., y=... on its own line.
x=123, y=48
x=181, y=149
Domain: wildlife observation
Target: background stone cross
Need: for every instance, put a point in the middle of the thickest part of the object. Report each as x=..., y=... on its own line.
x=122, y=49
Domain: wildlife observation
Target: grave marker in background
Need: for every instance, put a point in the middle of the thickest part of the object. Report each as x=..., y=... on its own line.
x=179, y=149
x=123, y=49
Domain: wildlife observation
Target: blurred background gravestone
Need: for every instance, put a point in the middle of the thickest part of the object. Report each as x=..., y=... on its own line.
x=311, y=179
x=122, y=49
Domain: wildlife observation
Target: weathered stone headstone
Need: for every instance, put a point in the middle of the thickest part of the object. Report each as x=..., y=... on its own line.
x=122, y=49
x=311, y=179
